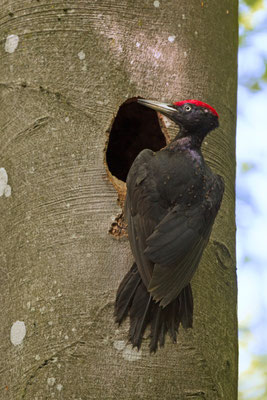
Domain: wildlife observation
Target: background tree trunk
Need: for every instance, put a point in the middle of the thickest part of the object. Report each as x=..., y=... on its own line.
x=64, y=73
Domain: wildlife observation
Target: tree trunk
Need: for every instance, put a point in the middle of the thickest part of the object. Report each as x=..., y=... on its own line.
x=66, y=67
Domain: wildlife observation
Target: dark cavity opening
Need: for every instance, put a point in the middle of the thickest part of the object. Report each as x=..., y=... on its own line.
x=135, y=128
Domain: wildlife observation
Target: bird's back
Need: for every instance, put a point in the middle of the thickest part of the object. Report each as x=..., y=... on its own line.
x=181, y=177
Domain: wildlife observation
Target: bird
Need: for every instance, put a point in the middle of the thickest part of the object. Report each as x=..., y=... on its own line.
x=171, y=203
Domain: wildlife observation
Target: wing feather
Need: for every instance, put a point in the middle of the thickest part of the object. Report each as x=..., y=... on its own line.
x=143, y=211
x=177, y=253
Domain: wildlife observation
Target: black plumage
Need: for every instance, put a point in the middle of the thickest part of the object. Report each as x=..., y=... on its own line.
x=172, y=200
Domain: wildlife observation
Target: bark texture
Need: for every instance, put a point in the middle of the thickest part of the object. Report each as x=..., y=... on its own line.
x=63, y=75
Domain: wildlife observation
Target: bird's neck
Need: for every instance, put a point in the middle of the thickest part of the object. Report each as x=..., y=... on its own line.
x=186, y=140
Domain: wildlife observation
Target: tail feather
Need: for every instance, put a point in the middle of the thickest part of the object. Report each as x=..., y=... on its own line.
x=186, y=307
x=139, y=315
x=173, y=320
x=125, y=294
x=162, y=334
x=134, y=300
x=157, y=329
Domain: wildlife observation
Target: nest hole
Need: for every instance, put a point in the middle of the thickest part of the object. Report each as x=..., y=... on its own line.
x=133, y=129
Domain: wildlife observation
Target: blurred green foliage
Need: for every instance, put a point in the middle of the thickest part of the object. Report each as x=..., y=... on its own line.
x=252, y=381
x=247, y=11
x=249, y=25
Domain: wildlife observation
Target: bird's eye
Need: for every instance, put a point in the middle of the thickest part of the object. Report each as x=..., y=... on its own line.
x=187, y=108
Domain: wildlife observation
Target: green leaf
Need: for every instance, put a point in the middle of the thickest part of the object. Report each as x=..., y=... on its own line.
x=246, y=167
x=254, y=87
x=254, y=4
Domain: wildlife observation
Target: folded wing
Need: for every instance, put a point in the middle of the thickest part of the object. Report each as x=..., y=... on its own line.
x=175, y=247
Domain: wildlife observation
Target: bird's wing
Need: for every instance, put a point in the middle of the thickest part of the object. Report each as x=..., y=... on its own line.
x=176, y=246
x=143, y=210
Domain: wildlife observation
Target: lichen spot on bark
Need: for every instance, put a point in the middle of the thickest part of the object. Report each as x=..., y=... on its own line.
x=81, y=55
x=51, y=381
x=131, y=354
x=59, y=387
x=133, y=129
x=11, y=43
x=5, y=189
x=119, y=345
x=17, y=333
x=127, y=351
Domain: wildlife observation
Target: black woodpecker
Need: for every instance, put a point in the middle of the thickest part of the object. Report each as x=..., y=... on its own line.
x=172, y=200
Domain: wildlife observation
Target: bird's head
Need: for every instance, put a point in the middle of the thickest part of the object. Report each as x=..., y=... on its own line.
x=193, y=116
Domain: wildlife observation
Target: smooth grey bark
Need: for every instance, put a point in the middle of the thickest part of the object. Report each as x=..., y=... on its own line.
x=74, y=64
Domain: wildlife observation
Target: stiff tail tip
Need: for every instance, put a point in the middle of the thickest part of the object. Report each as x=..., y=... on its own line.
x=134, y=300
